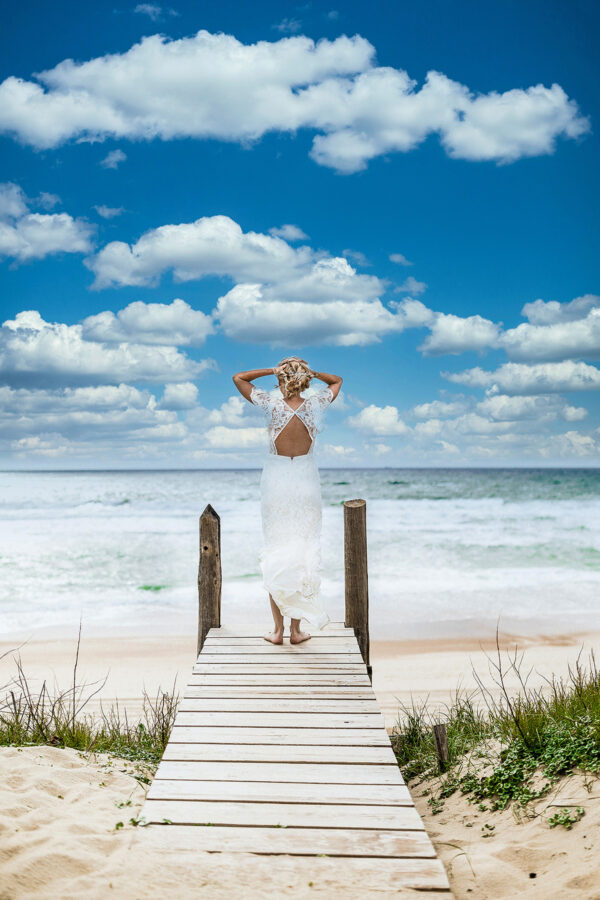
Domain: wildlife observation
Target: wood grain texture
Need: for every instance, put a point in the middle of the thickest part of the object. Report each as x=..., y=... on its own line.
x=324, y=756
x=315, y=773
x=294, y=792
x=288, y=815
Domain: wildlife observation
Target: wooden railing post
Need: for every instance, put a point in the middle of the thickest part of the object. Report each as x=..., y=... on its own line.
x=356, y=574
x=209, y=574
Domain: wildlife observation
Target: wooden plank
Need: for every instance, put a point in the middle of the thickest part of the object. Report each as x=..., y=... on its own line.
x=300, y=721
x=289, y=815
x=275, y=704
x=256, y=631
x=281, y=659
x=266, y=649
x=261, y=792
x=355, y=737
x=334, y=642
x=273, y=753
x=332, y=842
x=272, y=669
x=279, y=772
x=300, y=692
x=306, y=679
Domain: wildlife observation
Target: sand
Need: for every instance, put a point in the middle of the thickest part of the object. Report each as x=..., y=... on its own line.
x=519, y=856
x=58, y=808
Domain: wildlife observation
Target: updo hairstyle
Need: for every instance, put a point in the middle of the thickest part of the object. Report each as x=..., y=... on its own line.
x=295, y=376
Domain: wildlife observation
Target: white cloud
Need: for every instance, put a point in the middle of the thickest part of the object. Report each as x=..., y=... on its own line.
x=109, y=212
x=541, y=312
x=213, y=86
x=35, y=352
x=379, y=420
x=78, y=415
x=179, y=396
x=411, y=286
x=245, y=315
x=566, y=338
x=437, y=408
x=222, y=437
x=542, y=378
x=400, y=259
x=212, y=245
x=25, y=235
x=150, y=323
x=502, y=407
x=289, y=233
x=338, y=450
x=454, y=334
x=112, y=159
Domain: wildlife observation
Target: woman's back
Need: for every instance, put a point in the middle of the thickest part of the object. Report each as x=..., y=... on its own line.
x=292, y=429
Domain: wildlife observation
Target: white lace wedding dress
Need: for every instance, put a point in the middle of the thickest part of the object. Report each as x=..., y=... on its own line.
x=291, y=509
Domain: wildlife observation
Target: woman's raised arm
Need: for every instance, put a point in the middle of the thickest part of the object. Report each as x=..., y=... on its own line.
x=243, y=380
x=332, y=381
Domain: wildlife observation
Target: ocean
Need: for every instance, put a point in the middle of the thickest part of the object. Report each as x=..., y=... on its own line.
x=451, y=552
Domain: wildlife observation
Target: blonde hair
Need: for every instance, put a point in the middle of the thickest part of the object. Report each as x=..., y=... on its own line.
x=296, y=375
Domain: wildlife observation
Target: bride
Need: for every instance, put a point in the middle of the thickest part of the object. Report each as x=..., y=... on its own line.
x=290, y=558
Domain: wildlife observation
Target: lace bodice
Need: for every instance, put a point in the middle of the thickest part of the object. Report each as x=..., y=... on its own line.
x=279, y=413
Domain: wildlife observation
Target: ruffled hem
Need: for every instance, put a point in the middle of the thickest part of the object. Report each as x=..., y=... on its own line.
x=291, y=576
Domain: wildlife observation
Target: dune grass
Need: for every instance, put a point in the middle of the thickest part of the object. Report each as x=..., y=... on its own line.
x=507, y=749
x=58, y=717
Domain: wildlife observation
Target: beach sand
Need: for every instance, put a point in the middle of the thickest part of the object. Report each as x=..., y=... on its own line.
x=58, y=807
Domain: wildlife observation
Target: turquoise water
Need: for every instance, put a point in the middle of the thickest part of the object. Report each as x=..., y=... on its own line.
x=450, y=551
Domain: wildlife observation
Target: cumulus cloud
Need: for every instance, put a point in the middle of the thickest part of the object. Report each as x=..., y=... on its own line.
x=34, y=353
x=379, y=420
x=454, y=334
x=214, y=86
x=81, y=414
x=552, y=312
x=244, y=314
x=502, y=407
x=357, y=256
x=541, y=378
x=26, y=235
x=212, y=245
x=572, y=334
x=179, y=396
x=221, y=437
x=175, y=323
x=437, y=408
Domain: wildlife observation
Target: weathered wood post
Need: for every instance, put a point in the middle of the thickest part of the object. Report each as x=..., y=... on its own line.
x=356, y=574
x=209, y=574
x=440, y=737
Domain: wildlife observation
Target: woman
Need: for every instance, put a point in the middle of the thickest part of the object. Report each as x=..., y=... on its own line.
x=290, y=558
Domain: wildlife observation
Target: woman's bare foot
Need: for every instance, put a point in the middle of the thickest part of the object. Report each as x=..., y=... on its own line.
x=275, y=637
x=297, y=637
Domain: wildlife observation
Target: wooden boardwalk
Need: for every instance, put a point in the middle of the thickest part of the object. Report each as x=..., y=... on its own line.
x=282, y=751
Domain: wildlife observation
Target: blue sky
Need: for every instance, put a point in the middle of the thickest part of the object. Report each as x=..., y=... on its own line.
x=405, y=196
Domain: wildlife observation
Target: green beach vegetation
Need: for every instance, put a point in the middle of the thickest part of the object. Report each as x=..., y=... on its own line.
x=507, y=749
x=59, y=717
